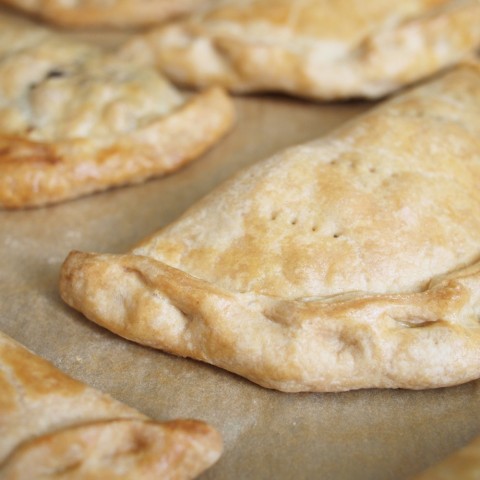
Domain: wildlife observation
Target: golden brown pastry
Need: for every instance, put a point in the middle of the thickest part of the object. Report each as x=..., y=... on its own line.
x=349, y=262
x=461, y=465
x=323, y=49
x=106, y=13
x=74, y=120
x=54, y=427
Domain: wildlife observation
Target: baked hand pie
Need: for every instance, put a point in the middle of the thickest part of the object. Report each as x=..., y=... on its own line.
x=110, y=13
x=349, y=262
x=461, y=465
x=75, y=120
x=54, y=427
x=322, y=49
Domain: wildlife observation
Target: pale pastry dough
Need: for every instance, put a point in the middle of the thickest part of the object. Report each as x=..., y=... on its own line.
x=74, y=120
x=323, y=49
x=350, y=262
x=106, y=13
x=54, y=427
x=461, y=465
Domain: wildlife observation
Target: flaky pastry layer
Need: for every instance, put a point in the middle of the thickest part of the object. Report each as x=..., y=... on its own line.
x=106, y=13
x=75, y=120
x=54, y=427
x=349, y=262
x=323, y=49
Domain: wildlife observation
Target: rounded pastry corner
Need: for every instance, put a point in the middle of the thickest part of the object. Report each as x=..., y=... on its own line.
x=117, y=449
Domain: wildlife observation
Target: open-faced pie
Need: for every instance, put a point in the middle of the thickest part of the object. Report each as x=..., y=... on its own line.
x=349, y=262
x=106, y=13
x=54, y=427
x=325, y=49
x=75, y=120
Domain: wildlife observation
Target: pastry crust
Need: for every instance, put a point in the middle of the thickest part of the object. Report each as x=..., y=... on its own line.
x=322, y=49
x=106, y=13
x=74, y=120
x=349, y=262
x=54, y=427
x=461, y=465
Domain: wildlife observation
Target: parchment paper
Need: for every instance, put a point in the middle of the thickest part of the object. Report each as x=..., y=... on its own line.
x=370, y=434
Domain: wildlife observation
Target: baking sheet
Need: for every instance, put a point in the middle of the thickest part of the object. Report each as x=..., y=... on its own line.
x=370, y=434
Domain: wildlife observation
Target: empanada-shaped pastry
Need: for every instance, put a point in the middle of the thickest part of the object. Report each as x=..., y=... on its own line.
x=349, y=262
x=54, y=427
x=324, y=49
x=102, y=13
x=461, y=465
x=74, y=120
